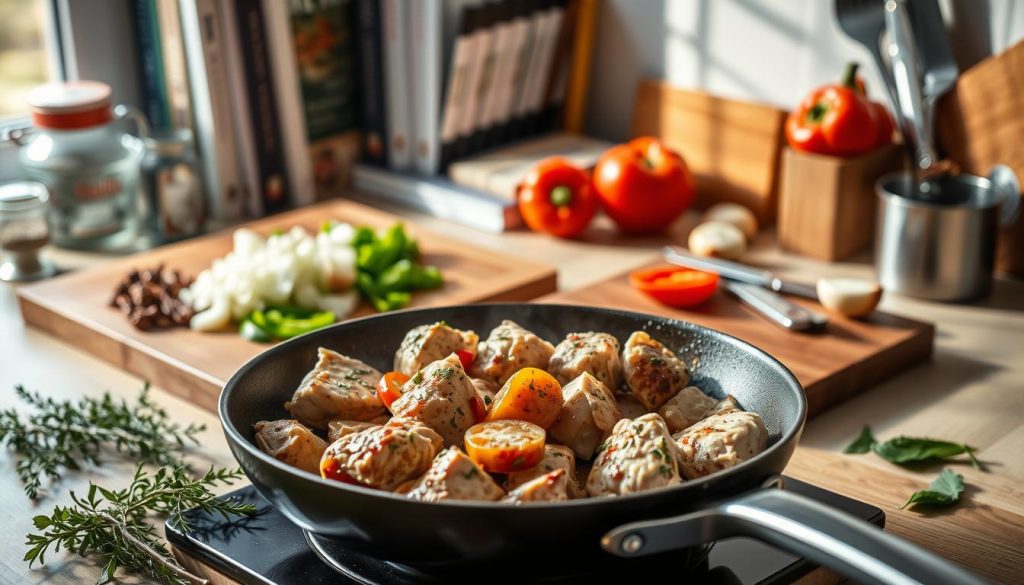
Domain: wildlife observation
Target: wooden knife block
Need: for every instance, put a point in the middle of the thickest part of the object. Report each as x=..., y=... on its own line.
x=981, y=124
x=827, y=204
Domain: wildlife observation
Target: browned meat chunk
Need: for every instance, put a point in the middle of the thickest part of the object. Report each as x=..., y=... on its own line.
x=290, y=442
x=686, y=408
x=720, y=442
x=454, y=476
x=508, y=349
x=589, y=412
x=440, y=397
x=638, y=456
x=339, y=387
x=428, y=343
x=594, y=353
x=653, y=373
x=384, y=456
x=550, y=487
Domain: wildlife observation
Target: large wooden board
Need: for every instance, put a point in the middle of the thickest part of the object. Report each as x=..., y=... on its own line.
x=196, y=365
x=851, y=356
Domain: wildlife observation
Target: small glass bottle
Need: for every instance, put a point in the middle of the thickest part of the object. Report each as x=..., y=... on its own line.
x=23, y=232
x=88, y=163
x=173, y=190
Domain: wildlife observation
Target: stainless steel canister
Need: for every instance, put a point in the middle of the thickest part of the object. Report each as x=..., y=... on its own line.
x=937, y=240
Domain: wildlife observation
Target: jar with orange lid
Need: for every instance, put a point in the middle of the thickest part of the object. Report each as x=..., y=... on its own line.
x=79, y=149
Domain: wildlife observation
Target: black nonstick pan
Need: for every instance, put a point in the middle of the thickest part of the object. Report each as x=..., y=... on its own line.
x=738, y=501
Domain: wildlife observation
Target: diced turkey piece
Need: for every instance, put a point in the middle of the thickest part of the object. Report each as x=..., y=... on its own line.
x=594, y=353
x=719, y=442
x=486, y=390
x=589, y=412
x=550, y=487
x=440, y=397
x=385, y=456
x=337, y=429
x=339, y=387
x=727, y=404
x=653, y=373
x=686, y=408
x=638, y=456
x=508, y=349
x=426, y=344
x=290, y=442
x=555, y=457
x=454, y=476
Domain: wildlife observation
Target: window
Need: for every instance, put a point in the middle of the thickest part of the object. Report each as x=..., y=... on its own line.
x=24, y=59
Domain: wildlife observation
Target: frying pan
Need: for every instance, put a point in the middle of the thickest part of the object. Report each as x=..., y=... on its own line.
x=737, y=501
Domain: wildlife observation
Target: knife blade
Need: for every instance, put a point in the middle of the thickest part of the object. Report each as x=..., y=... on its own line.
x=776, y=308
x=739, y=272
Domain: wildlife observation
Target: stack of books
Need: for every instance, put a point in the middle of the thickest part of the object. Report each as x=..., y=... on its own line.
x=447, y=80
x=268, y=89
x=283, y=97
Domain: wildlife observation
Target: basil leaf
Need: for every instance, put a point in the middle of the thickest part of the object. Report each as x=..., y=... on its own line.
x=863, y=443
x=944, y=490
x=902, y=450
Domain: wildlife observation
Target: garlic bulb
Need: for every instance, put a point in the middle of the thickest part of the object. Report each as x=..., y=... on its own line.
x=718, y=239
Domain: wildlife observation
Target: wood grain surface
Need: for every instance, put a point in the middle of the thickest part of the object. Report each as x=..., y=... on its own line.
x=196, y=365
x=849, y=357
x=732, y=147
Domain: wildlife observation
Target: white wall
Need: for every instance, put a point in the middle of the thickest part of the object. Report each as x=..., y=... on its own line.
x=771, y=51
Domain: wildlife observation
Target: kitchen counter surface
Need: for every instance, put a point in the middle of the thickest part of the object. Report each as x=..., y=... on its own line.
x=971, y=391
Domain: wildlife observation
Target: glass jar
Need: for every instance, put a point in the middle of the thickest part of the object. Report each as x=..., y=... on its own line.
x=23, y=232
x=88, y=163
x=173, y=193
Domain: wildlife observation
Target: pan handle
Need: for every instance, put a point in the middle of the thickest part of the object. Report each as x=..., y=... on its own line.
x=821, y=534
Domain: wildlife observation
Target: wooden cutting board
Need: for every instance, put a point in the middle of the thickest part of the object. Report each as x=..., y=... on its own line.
x=851, y=356
x=196, y=365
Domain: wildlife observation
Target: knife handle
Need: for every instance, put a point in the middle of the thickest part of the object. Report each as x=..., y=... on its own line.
x=777, y=308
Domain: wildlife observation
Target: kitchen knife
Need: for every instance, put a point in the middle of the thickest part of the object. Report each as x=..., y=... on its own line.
x=738, y=272
x=776, y=308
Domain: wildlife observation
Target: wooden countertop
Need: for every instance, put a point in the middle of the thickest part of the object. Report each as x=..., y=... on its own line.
x=971, y=391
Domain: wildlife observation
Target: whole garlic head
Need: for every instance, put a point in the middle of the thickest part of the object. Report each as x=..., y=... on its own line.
x=718, y=239
x=735, y=214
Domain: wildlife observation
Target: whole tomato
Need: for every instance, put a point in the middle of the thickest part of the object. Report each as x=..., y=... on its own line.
x=557, y=198
x=643, y=185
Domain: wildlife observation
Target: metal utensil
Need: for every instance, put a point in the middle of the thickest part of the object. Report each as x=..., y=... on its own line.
x=911, y=108
x=938, y=65
x=739, y=272
x=776, y=308
x=864, y=21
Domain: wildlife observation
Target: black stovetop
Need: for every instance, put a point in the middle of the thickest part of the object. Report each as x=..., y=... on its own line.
x=267, y=549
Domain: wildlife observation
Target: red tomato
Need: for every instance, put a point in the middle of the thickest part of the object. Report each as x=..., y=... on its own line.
x=466, y=358
x=557, y=198
x=476, y=404
x=389, y=389
x=674, y=286
x=329, y=469
x=643, y=185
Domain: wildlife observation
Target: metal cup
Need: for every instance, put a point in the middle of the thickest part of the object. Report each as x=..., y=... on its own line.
x=937, y=239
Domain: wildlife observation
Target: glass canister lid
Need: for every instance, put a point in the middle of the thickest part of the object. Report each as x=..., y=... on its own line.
x=70, y=105
x=22, y=196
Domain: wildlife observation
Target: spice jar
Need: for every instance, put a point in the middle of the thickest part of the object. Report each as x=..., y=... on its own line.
x=89, y=164
x=172, y=185
x=23, y=232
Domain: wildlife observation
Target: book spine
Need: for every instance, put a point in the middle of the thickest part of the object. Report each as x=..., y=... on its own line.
x=457, y=93
x=512, y=73
x=263, y=111
x=425, y=57
x=540, y=65
x=579, y=69
x=504, y=64
x=211, y=108
x=396, y=83
x=238, y=98
x=289, y=100
x=482, y=42
x=175, y=71
x=554, y=92
x=151, y=65
x=371, y=71
x=325, y=53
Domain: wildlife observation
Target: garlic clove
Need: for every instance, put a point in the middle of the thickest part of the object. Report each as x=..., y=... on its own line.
x=718, y=239
x=853, y=297
x=735, y=214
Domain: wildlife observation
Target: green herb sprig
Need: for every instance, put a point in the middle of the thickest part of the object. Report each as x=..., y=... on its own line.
x=113, y=524
x=944, y=490
x=907, y=450
x=64, y=434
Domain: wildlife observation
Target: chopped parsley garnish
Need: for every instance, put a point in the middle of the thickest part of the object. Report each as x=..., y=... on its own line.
x=444, y=373
x=518, y=461
x=487, y=400
x=665, y=470
x=657, y=361
x=471, y=473
x=417, y=378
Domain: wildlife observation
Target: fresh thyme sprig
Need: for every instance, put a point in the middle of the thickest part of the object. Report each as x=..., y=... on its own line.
x=64, y=434
x=113, y=524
